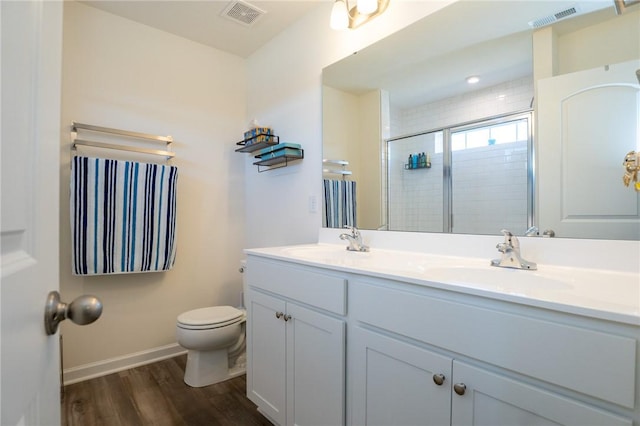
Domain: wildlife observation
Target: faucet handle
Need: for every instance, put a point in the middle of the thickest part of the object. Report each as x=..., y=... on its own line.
x=510, y=239
x=507, y=233
x=354, y=231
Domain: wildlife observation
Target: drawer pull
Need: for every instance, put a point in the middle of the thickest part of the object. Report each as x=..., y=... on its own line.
x=460, y=388
x=279, y=315
x=287, y=317
x=438, y=379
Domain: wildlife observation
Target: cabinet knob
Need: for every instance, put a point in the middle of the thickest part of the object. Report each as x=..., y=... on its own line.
x=287, y=317
x=460, y=388
x=279, y=315
x=438, y=379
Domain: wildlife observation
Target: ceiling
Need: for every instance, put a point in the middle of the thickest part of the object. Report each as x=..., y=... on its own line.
x=430, y=59
x=205, y=21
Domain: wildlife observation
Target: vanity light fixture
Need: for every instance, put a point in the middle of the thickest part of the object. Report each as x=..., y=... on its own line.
x=343, y=17
x=473, y=79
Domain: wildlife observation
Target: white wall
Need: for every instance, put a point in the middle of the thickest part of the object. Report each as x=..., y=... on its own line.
x=118, y=73
x=287, y=95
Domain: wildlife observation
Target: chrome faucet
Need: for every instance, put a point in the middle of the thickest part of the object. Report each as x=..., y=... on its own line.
x=510, y=250
x=355, y=240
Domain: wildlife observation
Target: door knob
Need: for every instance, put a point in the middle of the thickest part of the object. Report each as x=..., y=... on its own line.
x=438, y=379
x=460, y=388
x=82, y=310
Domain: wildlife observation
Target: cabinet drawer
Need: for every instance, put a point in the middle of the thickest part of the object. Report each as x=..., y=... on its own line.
x=303, y=284
x=591, y=362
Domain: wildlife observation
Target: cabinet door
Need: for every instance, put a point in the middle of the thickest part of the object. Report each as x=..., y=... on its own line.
x=493, y=400
x=396, y=383
x=315, y=368
x=266, y=357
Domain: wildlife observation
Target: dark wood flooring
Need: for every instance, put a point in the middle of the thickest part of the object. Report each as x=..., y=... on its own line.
x=156, y=394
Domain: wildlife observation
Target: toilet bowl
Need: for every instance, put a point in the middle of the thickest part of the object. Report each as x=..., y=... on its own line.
x=215, y=340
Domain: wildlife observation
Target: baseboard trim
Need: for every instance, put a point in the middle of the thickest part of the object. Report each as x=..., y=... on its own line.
x=125, y=362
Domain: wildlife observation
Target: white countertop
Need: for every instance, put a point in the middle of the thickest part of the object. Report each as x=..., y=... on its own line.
x=610, y=294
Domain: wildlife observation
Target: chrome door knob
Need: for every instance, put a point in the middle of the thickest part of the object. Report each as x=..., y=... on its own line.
x=287, y=317
x=460, y=388
x=279, y=314
x=82, y=310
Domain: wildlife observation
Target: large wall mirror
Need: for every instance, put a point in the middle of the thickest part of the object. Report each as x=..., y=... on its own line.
x=539, y=140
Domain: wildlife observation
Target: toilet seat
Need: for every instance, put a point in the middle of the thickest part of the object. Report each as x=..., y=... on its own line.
x=211, y=317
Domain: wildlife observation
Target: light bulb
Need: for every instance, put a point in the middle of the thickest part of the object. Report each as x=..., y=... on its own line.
x=367, y=7
x=339, y=16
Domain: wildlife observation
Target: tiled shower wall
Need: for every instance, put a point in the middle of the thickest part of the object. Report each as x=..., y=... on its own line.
x=489, y=184
x=512, y=96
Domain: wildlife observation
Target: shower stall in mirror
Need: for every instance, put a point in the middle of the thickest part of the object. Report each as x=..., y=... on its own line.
x=478, y=178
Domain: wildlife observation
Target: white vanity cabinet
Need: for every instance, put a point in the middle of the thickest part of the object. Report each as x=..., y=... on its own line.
x=402, y=352
x=421, y=359
x=295, y=343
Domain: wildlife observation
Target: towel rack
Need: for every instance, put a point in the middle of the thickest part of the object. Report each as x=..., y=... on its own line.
x=166, y=140
x=341, y=163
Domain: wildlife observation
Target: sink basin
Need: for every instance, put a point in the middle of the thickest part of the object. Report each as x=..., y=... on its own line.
x=382, y=261
x=502, y=279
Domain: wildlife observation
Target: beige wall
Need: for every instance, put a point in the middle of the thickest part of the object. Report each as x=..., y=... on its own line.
x=351, y=137
x=613, y=41
x=369, y=142
x=564, y=52
x=340, y=110
x=121, y=74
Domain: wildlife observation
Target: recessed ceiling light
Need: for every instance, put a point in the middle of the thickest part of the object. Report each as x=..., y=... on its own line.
x=473, y=79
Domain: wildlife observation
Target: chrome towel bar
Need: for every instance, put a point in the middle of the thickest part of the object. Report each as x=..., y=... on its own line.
x=166, y=140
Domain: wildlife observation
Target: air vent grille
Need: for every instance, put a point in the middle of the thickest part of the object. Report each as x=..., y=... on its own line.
x=242, y=13
x=565, y=13
x=546, y=20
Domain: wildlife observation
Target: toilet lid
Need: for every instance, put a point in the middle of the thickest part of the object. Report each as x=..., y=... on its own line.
x=210, y=316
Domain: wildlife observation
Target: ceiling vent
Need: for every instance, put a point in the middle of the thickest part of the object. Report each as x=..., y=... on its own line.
x=569, y=12
x=243, y=13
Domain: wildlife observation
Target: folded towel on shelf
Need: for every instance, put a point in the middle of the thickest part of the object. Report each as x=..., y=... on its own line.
x=339, y=207
x=123, y=216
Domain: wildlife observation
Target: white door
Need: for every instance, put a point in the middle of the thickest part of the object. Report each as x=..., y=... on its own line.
x=31, y=68
x=483, y=398
x=396, y=383
x=587, y=122
x=315, y=367
x=266, y=356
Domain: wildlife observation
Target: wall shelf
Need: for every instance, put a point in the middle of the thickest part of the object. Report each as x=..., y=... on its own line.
x=423, y=166
x=277, y=162
x=257, y=142
x=271, y=153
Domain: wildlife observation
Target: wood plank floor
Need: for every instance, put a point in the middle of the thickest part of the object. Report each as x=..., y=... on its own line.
x=156, y=394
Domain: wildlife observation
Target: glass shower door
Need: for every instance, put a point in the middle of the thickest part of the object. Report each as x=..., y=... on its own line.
x=415, y=185
x=491, y=176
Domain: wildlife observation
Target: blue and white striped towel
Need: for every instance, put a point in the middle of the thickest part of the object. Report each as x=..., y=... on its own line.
x=339, y=207
x=123, y=216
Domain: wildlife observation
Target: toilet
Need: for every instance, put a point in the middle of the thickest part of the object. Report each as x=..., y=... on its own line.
x=215, y=340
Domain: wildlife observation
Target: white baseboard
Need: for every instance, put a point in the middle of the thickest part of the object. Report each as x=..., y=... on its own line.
x=125, y=362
